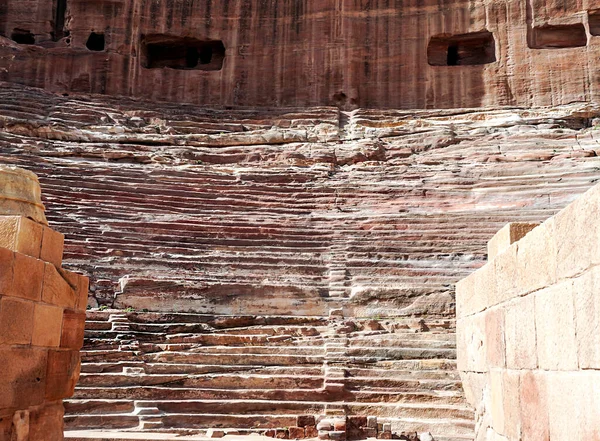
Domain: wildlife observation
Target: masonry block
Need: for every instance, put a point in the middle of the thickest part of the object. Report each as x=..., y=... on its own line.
x=473, y=292
x=73, y=324
x=305, y=420
x=20, y=234
x=533, y=406
x=53, y=244
x=62, y=374
x=57, y=291
x=555, y=327
x=507, y=276
x=586, y=293
x=311, y=432
x=506, y=236
x=511, y=404
x=46, y=422
x=497, y=399
x=23, y=377
x=7, y=260
x=47, y=325
x=83, y=288
x=494, y=337
x=568, y=396
x=28, y=275
x=519, y=333
x=472, y=344
x=296, y=432
x=536, y=257
x=577, y=235
x=80, y=284
x=474, y=384
x=16, y=321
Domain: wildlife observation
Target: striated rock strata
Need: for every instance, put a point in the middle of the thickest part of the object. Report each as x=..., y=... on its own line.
x=292, y=262
x=385, y=54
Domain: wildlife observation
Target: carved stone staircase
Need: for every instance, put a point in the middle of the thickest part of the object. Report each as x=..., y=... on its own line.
x=188, y=373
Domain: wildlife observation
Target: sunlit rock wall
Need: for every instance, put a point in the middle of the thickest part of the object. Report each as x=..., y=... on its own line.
x=386, y=54
x=290, y=211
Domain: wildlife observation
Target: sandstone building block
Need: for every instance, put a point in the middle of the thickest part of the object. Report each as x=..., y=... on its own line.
x=40, y=332
x=545, y=331
x=506, y=236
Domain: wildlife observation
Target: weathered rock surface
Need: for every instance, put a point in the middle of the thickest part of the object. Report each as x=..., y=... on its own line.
x=267, y=375
x=386, y=54
x=250, y=234
x=288, y=211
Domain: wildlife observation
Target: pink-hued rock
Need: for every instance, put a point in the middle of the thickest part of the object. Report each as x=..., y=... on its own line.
x=534, y=406
x=326, y=52
x=264, y=243
x=520, y=336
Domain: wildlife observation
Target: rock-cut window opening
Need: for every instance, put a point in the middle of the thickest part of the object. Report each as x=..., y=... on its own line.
x=22, y=36
x=462, y=50
x=558, y=36
x=163, y=51
x=95, y=42
x=594, y=21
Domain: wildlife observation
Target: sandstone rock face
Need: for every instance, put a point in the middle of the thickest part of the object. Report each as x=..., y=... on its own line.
x=528, y=356
x=294, y=263
x=398, y=54
x=175, y=208
x=42, y=314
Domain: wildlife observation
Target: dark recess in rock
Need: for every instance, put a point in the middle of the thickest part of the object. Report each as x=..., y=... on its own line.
x=59, y=19
x=22, y=36
x=95, y=42
x=558, y=36
x=462, y=50
x=160, y=51
x=594, y=21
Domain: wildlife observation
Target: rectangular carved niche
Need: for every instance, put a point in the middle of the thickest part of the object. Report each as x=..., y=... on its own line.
x=594, y=20
x=160, y=51
x=462, y=50
x=558, y=36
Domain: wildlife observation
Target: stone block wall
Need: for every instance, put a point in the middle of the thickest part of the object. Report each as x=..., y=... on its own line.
x=527, y=329
x=42, y=316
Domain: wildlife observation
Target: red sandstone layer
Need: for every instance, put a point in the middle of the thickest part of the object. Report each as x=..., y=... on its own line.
x=182, y=208
x=399, y=54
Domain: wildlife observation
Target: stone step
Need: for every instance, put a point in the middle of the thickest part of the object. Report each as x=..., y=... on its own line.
x=391, y=373
x=436, y=426
x=173, y=368
x=220, y=421
x=225, y=358
x=104, y=421
x=402, y=384
x=213, y=381
x=316, y=395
